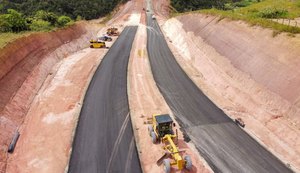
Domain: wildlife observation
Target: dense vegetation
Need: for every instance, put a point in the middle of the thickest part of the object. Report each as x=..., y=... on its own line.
x=87, y=9
x=275, y=14
x=43, y=15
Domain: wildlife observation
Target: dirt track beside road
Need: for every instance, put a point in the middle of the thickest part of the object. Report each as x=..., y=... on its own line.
x=145, y=100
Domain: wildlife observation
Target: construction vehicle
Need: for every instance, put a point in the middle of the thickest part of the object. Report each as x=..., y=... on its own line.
x=161, y=130
x=153, y=17
x=239, y=122
x=112, y=31
x=105, y=38
x=97, y=44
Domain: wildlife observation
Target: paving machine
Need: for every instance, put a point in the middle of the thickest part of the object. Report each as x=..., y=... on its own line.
x=161, y=130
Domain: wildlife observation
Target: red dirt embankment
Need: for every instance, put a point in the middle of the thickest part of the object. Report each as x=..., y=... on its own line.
x=248, y=73
x=161, y=7
x=24, y=65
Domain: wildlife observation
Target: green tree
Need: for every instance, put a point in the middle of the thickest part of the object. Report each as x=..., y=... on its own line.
x=12, y=21
x=46, y=16
x=90, y=9
x=40, y=25
x=5, y=26
x=63, y=20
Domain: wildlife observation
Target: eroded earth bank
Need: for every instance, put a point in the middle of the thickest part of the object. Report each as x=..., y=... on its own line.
x=25, y=64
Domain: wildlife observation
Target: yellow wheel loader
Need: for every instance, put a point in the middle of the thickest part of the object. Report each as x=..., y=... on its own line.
x=161, y=130
x=97, y=44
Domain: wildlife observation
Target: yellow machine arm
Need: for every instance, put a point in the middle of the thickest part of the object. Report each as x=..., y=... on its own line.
x=172, y=148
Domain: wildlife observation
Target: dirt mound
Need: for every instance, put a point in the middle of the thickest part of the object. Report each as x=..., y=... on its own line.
x=161, y=7
x=24, y=66
x=247, y=72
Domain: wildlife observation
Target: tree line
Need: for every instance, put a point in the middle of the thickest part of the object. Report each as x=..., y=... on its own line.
x=191, y=5
x=19, y=15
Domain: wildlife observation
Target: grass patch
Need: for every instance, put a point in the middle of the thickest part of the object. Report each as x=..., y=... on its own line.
x=107, y=18
x=261, y=13
x=9, y=37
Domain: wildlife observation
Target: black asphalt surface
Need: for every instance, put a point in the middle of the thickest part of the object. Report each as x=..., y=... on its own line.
x=224, y=145
x=104, y=141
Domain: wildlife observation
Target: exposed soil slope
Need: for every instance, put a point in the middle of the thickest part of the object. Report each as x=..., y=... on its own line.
x=40, y=148
x=247, y=73
x=24, y=66
x=161, y=7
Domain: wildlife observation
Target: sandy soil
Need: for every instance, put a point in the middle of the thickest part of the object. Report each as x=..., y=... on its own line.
x=295, y=22
x=211, y=53
x=161, y=7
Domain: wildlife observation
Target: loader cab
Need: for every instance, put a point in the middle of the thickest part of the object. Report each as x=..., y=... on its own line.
x=164, y=125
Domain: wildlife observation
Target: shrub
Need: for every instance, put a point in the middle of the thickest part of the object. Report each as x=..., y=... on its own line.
x=228, y=6
x=78, y=18
x=13, y=21
x=273, y=13
x=5, y=26
x=298, y=3
x=244, y=3
x=46, y=16
x=40, y=25
x=63, y=20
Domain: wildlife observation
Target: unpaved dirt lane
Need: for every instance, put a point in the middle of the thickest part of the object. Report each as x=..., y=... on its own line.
x=224, y=145
x=145, y=100
x=104, y=140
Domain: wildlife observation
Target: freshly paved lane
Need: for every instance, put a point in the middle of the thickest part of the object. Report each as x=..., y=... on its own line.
x=225, y=146
x=104, y=140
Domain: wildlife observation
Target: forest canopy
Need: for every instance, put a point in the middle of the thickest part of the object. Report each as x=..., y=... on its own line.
x=87, y=9
x=44, y=15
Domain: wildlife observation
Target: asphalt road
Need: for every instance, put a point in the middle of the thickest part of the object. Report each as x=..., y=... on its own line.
x=104, y=140
x=224, y=145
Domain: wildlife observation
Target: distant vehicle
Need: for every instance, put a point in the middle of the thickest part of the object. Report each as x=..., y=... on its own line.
x=105, y=38
x=148, y=10
x=153, y=17
x=239, y=122
x=113, y=31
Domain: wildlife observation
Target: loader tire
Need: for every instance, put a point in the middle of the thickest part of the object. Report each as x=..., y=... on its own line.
x=188, y=163
x=154, y=138
x=167, y=166
x=150, y=129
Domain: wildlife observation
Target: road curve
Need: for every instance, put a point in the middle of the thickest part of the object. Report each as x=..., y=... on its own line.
x=104, y=140
x=225, y=146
